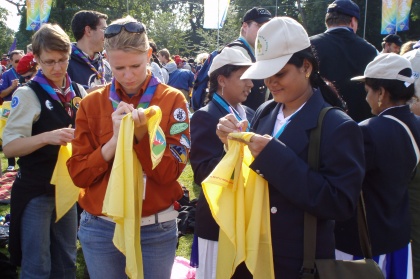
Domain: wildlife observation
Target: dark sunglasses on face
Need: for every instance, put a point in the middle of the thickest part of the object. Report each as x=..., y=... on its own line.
x=131, y=27
x=17, y=61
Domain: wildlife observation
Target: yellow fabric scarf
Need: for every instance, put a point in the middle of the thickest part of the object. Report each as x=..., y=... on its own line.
x=5, y=109
x=239, y=202
x=123, y=198
x=66, y=193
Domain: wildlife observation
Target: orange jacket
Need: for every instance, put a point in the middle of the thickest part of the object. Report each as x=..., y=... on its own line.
x=94, y=128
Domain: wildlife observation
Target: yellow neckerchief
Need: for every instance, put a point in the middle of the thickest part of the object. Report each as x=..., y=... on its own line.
x=5, y=109
x=123, y=198
x=239, y=202
x=66, y=193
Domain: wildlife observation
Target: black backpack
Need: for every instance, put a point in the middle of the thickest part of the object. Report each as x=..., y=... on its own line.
x=186, y=217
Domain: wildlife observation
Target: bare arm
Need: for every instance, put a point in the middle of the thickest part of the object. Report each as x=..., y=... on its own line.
x=24, y=146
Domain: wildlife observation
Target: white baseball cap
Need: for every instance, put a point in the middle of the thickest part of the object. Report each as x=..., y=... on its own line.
x=229, y=56
x=387, y=66
x=277, y=40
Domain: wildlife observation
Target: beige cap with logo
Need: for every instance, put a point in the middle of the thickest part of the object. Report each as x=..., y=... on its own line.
x=387, y=66
x=277, y=41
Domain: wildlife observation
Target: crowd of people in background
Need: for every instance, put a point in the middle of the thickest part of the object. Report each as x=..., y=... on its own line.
x=273, y=80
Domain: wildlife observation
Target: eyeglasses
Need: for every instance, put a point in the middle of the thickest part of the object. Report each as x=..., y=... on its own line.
x=51, y=63
x=16, y=61
x=131, y=27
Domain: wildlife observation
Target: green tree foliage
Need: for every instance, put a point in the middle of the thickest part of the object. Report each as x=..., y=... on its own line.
x=315, y=15
x=167, y=30
x=177, y=24
x=24, y=36
x=6, y=38
x=211, y=40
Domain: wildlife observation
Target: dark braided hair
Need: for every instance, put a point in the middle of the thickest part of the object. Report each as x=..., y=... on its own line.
x=328, y=91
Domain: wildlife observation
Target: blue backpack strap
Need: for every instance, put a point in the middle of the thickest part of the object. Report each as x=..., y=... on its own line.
x=200, y=83
x=242, y=43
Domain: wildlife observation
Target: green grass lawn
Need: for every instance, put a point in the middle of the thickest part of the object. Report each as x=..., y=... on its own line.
x=185, y=242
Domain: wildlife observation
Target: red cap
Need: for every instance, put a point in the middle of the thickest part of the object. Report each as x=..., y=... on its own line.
x=25, y=64
x=178, y=59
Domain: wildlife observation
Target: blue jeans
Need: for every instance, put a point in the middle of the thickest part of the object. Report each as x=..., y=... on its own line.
x=48, y=248
x=158, y=245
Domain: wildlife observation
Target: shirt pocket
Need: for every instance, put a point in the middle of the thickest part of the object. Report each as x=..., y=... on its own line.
x=101, y=128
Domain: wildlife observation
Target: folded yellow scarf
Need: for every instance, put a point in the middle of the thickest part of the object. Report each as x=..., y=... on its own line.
x=124, y=195
x=5, y=109
x=239, y=202
x=66, y=193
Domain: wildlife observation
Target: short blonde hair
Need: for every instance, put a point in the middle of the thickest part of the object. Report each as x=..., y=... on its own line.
x=127, y=41
x=50, y=37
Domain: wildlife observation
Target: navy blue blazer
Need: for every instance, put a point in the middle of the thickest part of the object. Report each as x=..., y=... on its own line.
x=205, y=153
x=390, y=161
x=343, y=55
x=329, y=194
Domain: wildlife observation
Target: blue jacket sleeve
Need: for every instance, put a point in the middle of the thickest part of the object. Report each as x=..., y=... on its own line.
x=330, y=193
x=206, y=148
x=5, y=81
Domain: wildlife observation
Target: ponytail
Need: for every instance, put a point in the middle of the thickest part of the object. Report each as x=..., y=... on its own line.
x=328, y=91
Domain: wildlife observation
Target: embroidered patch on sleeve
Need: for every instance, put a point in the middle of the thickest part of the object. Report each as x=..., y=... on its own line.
x=180, y=115
x=15, y=102
x=185, y=141
x=178, y=128
x=179, y=152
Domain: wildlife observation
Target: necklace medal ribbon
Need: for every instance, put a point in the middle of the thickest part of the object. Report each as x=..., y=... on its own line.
x=100, y=73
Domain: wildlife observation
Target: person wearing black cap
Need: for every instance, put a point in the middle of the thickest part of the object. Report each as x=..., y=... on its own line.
x=391, y=43
x=251, y=23
x=342, y=55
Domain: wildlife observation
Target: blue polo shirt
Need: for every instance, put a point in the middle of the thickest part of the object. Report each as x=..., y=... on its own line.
x=6, y=81
x=181, y=79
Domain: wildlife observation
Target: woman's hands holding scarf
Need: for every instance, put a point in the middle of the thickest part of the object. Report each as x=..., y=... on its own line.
x=140, y=122
x=229, y=124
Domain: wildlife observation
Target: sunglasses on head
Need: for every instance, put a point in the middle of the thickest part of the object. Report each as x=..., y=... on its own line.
x=131, y=27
